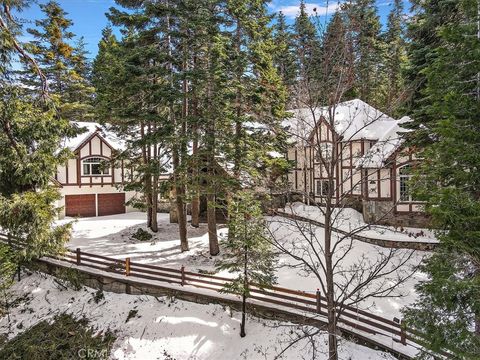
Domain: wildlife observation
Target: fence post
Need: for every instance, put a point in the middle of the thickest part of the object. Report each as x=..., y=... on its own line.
x=79, y=260
x=127, y=267
x=182, y=269
x=319, y=304
x=403, y=335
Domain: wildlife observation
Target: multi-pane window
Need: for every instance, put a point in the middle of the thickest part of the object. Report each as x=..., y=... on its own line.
x=405, y=173
x=322, y=187
x=95, y=166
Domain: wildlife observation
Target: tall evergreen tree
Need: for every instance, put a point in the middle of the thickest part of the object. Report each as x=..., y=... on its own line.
x=135, y=92
x=31, y=133
x=259, y=93
x=64, y=64
x=338, y=61
x=395, y=56
x=284, y=58
x=307, y=51
x=364, y=23
x=424, y=39
x=448, y=309
x=200, y=73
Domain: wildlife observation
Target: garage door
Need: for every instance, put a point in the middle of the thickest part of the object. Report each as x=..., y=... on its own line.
x=80, y=205
x=109, y=204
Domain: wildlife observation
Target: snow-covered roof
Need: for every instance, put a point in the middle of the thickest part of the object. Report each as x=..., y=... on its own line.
x=89, y=129
x=353, y=120
x=379, y=153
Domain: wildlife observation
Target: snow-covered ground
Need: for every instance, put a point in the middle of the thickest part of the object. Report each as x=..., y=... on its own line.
x=350, y=220
x=164, y=328
x=112, y=236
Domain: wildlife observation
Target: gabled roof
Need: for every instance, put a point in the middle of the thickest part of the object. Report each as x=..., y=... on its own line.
x=353, y=120
x=379, y=154
x=91, y=128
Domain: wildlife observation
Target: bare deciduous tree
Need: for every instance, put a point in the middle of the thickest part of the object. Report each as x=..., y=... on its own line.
x=324, y=127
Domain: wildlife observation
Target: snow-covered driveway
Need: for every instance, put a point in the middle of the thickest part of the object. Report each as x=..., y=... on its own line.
x=112, y=236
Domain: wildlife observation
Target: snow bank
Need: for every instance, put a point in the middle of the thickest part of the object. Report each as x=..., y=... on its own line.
x=348, y=219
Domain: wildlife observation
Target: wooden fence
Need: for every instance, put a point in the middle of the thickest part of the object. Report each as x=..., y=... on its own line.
x=313, y=304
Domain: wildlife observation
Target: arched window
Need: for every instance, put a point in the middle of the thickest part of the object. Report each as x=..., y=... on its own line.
x=95, y=166
x=405, y=173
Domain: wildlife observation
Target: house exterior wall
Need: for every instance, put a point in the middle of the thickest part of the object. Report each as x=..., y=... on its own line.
x=389, y=209
x=375, y=192
x=73, y=182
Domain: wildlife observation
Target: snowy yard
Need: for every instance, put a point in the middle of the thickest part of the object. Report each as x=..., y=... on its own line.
x=112, y=236
x=162, y=328
x=348, y=219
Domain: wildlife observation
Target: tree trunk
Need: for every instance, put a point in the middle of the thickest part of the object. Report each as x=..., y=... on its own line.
x=245, y=291
x=212, y=223
x=195, y=165
x=330, y=295
x=179, y=199
x=244, y=310
x=329, y=270
x=147, y=180
x=177, y=148
x=154, y=207
x=196, y=190
x=182, y=217
x=154, y=198
x=210, y=137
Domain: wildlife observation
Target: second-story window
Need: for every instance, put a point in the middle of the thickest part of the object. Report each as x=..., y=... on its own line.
x=95, y=166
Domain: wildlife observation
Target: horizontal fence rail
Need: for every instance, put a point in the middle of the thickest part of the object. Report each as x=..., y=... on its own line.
x=311, y=303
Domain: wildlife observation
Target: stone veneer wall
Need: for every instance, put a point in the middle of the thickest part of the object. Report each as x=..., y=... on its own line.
x=383, y=213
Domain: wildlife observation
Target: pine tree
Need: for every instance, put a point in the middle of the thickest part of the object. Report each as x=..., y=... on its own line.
x=448, y=309
x=259, y=92
x=245, y=89
x=424, y=39
x=29, y=155
x=135, y=93
x=307, y=51
x=284, y=58
x=64, y=65
x=395, y=58
x=337, y=57
x=103, y=70
x=248, y=251
x=364, y=23
x=31, y=133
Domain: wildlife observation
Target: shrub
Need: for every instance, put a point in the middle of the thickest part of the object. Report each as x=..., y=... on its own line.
x=142, y=235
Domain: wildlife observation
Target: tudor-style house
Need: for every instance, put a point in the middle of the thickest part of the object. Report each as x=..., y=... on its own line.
x=373, y=169
x=87, y=186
